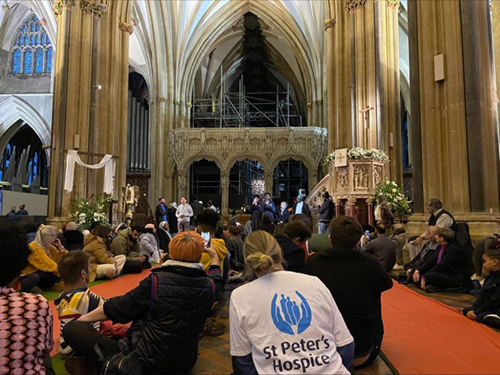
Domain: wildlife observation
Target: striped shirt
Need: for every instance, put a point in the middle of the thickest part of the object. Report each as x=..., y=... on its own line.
x=73, y=304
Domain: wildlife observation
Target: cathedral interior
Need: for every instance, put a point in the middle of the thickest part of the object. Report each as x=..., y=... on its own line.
x=227, y=99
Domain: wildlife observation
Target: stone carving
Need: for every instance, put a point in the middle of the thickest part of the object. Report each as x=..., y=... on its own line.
x=377, y=175
x=266, y=145
x=342, y=178
x=353, y=5
x=59, y=6
x=329, y=23
x=94, y=8
x=360, y=177
x=126, y=27
x=182, y=182
x=393, y=4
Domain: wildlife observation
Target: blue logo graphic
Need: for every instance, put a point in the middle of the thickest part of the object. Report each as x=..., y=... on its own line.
x=288, y=314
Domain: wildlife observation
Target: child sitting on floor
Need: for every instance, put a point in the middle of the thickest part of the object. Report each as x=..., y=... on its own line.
x=486, y=309
x=76, y=299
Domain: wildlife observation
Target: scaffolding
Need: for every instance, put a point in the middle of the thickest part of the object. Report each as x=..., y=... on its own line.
x=242, y=109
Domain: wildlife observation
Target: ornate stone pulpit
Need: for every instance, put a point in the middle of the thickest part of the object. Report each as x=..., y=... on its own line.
x=352, y=186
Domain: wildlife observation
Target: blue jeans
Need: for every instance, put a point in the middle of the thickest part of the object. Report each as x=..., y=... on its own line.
x=323, y=227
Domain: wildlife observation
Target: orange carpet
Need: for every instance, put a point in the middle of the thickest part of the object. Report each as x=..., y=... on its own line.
x=112, y=288
x=423, y=336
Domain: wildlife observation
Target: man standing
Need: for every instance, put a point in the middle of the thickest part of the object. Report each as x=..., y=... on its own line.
x=325, y=214
x=184, y=214
x=197, y=206
x=267, y=207
x=356, y=282
x=161, y=211
x=382, y=248
x=301, y=207
x=283, y=214
x=439, y=218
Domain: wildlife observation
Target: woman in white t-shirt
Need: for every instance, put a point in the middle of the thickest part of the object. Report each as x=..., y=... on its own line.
x=285, y=322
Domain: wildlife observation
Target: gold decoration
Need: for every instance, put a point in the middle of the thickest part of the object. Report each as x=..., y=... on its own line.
x=162, y=100
x=309, y=105
x=189, y=105
x=126, y=27
x=5, y=8
x=353, y=5
x=93, y=8
x=329, y=23
x=59, y=6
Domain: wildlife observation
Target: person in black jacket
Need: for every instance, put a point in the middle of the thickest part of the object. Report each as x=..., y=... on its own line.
x=165, y=328
x=71, y=238
x=326, y=212
x=294, y=235
x=449, y=267
x=283, y=214
x=356, y=282
x=197, y=207
x=486, y=308
x=161, y=213
x=255, y=213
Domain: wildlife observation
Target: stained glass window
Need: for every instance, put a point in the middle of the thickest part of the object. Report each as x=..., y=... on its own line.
x=28, y=61
x=16, y=62
x=39, y=57
x=31, y=49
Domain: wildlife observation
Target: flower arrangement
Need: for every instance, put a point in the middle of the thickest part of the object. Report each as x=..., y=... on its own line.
x=360, y=153
x=398, y=202
x=85, y=212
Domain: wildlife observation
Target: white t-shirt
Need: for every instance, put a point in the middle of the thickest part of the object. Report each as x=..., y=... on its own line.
x=290, y=323
x=298, y=207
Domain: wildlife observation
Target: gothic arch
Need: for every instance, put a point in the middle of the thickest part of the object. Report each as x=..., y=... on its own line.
x=12, y=110
x=230, y=162
x=186, y=164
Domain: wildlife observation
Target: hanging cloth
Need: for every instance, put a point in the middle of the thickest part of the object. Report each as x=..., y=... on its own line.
x=106, y=162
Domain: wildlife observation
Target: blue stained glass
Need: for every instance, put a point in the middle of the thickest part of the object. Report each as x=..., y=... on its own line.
x=25, y=29
x=43, y=38
x=32, y=40
x=37, y=27
x=35, y=18
x=39, y=61
x=28, y=62
x=33, y=26
x=16, y=62
x=37, y=40
x=26, y=40
x=48, y=40
x=48, y=64
x=21, y=40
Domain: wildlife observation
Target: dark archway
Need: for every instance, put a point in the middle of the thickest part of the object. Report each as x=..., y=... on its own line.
x=288, y=177
x=25, y=141
x=204, y=182
x=246, y=179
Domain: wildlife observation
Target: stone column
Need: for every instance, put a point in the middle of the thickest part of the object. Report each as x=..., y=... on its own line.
x=369, y=207
x=181, y=185
x=269, y=181
x=376, y=76
x=79, y=43
x=351, y=206
x=224, y=185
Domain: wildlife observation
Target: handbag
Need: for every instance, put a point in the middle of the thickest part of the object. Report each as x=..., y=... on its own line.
x=120, y=363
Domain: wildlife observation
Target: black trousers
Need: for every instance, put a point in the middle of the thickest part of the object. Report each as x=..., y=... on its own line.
x=82, y=337
x=41, y=279
x=441, y=281
x=135, y=266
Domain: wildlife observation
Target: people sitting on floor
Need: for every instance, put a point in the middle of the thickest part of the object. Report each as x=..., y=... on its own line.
x=165, y=329
x=439, y=218
x=234, y=235
x=486, y=308
x=207, y=222
x=76, y=299
x=46, y=252
x=398, y=236
x=356, y=282
x=479, y=248
x=127, y=244
x=149, y=244
x=448, y=269
x=427, y=251
x=71, y=237
x=381, y=248
x=26, y=323
x=294, y=235
x=103, y=264
x=262, y=341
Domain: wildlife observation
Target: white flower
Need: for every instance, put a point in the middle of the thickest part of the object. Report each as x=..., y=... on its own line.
x=394, y=190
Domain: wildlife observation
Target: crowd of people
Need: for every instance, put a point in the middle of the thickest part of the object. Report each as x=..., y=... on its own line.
x=281, y=284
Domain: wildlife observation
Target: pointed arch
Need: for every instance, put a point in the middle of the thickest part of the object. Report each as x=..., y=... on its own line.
x=14, y=114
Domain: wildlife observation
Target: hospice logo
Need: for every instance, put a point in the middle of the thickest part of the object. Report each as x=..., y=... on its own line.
x=288, y=317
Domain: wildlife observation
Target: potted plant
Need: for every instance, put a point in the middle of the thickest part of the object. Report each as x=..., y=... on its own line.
x=85, y=212
x=398, y=202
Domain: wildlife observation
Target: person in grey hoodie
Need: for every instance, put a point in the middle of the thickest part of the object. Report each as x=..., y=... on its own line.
x=149, y=244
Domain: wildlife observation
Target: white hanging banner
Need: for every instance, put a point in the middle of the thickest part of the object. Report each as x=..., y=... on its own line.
x=106, y=163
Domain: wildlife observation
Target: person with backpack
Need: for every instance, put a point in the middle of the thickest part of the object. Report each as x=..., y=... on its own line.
x=165, y=328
